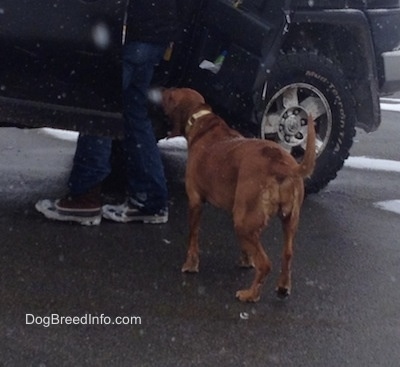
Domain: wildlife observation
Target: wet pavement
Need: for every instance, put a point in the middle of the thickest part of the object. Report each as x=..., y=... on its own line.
x=343, y=311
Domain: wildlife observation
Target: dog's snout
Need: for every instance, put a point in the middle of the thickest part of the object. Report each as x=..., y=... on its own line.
x=155, y=95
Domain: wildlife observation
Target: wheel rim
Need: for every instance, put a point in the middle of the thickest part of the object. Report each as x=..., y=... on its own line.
x=285, y=118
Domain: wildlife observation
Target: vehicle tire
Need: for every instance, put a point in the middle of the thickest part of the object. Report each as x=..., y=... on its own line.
x=307, y=83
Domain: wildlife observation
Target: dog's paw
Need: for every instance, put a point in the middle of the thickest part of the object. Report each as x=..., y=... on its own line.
x=247, y=295
x=191, y=264
x=190, y=267
x=282, y=292
x=246, y=261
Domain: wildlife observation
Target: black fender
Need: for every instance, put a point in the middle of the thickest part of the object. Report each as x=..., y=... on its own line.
x=356, y=22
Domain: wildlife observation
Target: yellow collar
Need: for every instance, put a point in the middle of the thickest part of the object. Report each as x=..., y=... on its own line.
x=195, y=116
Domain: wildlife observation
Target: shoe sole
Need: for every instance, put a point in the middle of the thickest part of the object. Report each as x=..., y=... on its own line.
x=120, y=218
x=49, y=210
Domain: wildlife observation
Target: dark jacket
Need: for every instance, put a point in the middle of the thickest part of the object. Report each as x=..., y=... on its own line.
x=153, y=21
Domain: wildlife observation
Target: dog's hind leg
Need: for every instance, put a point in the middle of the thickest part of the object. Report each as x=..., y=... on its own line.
x=245, y=261
x=289, y=225
x=248, y=234
x=191, y=264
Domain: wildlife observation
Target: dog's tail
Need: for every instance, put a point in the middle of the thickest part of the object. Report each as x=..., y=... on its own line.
x=306, y=167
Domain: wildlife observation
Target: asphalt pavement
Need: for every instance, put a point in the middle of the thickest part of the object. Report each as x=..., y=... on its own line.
x=343, y=311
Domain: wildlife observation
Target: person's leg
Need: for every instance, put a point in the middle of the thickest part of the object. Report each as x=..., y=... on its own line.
x=90, y=167
x=91, y=164
x=145, y=172
x=146, y=178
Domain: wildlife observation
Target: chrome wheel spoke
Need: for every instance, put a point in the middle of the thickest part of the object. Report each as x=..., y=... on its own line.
x=287, y=147
x=271, y=123
x=290, y=98
x=318, y=144
x=314, y=106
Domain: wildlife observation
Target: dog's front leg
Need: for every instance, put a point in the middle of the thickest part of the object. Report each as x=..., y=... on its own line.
x=191, y=264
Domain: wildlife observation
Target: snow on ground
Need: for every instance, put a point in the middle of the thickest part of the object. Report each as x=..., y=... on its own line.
x=390, y=104
x=60, y=134
x=395, y=107
x=373, y=164
x=390, y=205
x=178, y=142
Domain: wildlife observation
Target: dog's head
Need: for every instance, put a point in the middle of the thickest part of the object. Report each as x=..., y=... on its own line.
x=178, y=104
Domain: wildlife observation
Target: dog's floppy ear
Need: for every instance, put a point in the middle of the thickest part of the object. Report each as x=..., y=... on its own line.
x=173, y=108
x=169, y=103
x=178, y=117
x=176, y=131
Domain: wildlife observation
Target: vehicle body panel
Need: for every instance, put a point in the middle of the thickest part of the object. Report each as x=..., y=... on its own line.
x=64, y=54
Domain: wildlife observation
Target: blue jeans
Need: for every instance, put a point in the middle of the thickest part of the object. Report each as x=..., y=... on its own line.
x=145, y=172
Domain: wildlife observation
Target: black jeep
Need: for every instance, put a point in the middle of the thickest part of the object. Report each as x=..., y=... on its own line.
x=262, y=64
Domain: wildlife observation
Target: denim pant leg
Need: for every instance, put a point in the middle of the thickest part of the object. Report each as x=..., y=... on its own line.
x=146, y=180
x=91, y=163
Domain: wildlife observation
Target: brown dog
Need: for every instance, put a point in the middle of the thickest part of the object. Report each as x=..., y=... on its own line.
x=254, y=179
